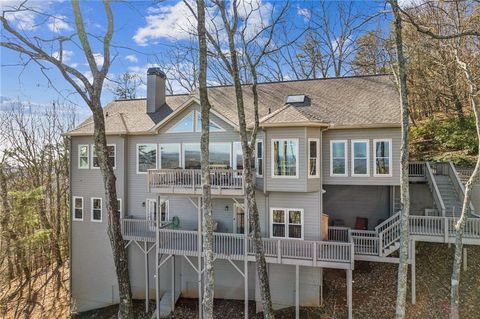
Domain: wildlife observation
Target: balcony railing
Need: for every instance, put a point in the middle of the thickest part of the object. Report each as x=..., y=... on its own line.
x=189, y=181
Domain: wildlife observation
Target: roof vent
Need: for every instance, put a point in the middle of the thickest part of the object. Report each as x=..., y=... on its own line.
x=296, y=98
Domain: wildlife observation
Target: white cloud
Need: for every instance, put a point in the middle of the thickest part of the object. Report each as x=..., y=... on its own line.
x=131, y=58
x=23, y=19
x=66, y=55
x=99, y=59
x=304, y=12
x=175, y=22
x=58, y=24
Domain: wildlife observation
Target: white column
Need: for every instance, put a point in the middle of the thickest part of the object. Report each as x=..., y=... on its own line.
x=465, y=265
x=157, y=263
x=297, y=292
x=321, y=286
x=173, y=282
x=246, y=229
x=349, y=293
x=199, y=250
x=147, y=295
x=413, y=272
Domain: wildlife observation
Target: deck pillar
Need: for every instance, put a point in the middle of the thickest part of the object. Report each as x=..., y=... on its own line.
x=465, y=266
x=147, y=288
x=173, y=282
x=413, y=272
x=199, y=251
x=349, y=293
x=297, y=292
x=246, y=228
x=321, y=286
x=157, y=264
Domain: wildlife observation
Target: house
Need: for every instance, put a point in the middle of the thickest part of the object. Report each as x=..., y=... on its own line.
x=327, y=188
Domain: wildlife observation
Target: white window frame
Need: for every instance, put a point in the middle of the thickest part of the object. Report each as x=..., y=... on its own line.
x=180, y=155
x=317, y=141
x=273, y=157
x=286, y=223
x=88, y=156
x=345, y=147
x=91, y=210
x=73, y=208
x=159, y=210
x=92, y=153
x=259, y=141
x=353, y=158
x=120, y=209
x=390, y=157
x=137, y=153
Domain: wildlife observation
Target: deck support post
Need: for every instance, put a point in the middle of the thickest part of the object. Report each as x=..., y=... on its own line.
x=246, y=228
x=465, y=266
x=157, y=264
x=297, y=292
x=147, y=288
x=349, y=293
x=173, y=282
x=413, y=272
x=321, y=286
x=199, y=251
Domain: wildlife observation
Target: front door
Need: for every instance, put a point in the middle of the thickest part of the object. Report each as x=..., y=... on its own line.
x=151, y=212
x=238, y=219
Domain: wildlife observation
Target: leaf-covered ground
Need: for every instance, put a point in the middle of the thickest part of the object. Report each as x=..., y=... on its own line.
x=374, y=291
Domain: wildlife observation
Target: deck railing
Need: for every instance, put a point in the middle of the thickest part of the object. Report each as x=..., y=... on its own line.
x=437, y=197
x=416, y=169
x=192, y=179
x=458, y=184
x=464, y=173
x=336, y=233
x=138, y=228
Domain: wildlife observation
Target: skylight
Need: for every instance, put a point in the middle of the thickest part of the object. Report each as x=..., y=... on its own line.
x=297, y=98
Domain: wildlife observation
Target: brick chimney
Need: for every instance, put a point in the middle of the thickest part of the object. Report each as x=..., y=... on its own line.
x=155, y=89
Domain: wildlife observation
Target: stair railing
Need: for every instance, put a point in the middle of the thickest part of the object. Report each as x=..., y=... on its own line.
x=457, y=183
x=432, y=184
x=387, y=222
x=388, y=237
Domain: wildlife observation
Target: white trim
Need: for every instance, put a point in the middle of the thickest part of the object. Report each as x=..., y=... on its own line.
x=120, y=208
x=345, y=147
x=91, y=210
x=390, y=157
x=317, y=141
x=286, y=223
x=353, y=158
x=73, y=208
x=273, y=158
x=167, y=208
x=88, y=156
x=114, y=154
x=137, y=161
x=180, y=164
x=147, y=206
x=259, y=141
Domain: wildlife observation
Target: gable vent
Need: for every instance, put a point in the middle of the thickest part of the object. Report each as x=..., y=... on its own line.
x=296, y=98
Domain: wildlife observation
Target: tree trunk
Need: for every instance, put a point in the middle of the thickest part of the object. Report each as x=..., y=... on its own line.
x=5, y=216
x=208, y=222
x=404, y=191
x=474, y=94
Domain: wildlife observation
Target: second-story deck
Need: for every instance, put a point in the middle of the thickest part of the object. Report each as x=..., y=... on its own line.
x=224, y=182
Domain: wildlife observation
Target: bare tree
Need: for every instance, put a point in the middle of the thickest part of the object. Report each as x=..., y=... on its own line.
x=404, y=178
x=90, y=91
x=125, y=86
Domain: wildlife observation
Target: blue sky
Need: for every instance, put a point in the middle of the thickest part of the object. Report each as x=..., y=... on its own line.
x=144, y=32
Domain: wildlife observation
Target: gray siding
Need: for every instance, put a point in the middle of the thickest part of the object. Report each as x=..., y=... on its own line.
x=370, y=134
x=348, y=202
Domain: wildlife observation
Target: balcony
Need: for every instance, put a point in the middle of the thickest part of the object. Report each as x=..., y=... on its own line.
x=224, y=182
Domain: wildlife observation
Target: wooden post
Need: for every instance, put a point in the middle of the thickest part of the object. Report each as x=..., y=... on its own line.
x=297, y=292
x=413, y=272
x=157, y=264
x=465, y=259
x=199, y=250
x=349, y=293
x=173, y=282
x=246, y=228
x=147, y=295
x=321, y=286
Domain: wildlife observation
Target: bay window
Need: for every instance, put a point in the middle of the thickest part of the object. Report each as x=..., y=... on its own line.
x=286, y=223
x=383, y=157
x=360, y=158
x=313, y=157
x=285, y=158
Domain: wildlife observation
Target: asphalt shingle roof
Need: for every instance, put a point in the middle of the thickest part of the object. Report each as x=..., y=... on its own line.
x=338, y=102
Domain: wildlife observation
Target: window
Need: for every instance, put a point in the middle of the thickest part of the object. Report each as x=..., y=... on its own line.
x=285, y=158
x=237, y=155
x=111, y=156
x=164, y=210
x=146, y=157
x=83, y=158
x=170, y=156
x=338, y=158
x=383, y=157
x=96, y=210
x=259, y=158
x=184, y=125
x=219, y=155
x=193, y=123
x=191, y=156
x=287, y=223
x=313, y=157
x=360, y=158
x=77, y=208
x=120, y=210
x=213, y=127
x=151, y=209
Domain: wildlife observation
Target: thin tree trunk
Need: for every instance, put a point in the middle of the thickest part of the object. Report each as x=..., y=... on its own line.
x=5, y=216
x=208, y=222
x=460, y=225
x=404, y=182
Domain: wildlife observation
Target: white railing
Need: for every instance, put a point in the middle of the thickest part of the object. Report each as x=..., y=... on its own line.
x=389, y=236
x=443, y=226
x=366, y=245
x=336, y=233
x=192, y=178
x=388, y=222
x=458, y=184
x=138, y=228
x=464, y=173
x=416, y=169
x=434, y=188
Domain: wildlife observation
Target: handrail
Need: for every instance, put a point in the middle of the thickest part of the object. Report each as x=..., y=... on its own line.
x=387, y=222
x=434, y=188
x=457, y=183
x=416, y=169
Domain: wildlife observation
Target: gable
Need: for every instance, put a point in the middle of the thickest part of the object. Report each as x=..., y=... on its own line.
x=192, y=122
